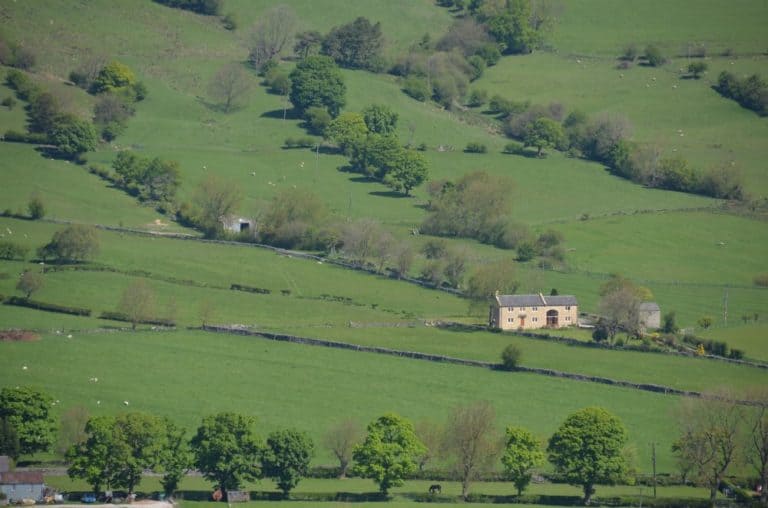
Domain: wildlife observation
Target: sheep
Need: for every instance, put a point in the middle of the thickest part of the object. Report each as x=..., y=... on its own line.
x=125, y=402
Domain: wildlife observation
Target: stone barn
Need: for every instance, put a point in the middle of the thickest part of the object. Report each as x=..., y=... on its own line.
x=650, y=315
x=22, y=485
x=530, y=312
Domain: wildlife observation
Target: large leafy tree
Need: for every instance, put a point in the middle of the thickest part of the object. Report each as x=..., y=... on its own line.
x=71, y=244
x=380, y=119
x=97, y=458
x=522, y=453
x=9, y=439
x=286, y=458
x=347, y=130
x=175, y=459
x=317, y=81
x=409, y=169
x=227, y=451
x=213, y=200
x=389, y=453
x=27, y=410
x=73, y=136
x=356, y=45
x=543, y=133
x=587, y=449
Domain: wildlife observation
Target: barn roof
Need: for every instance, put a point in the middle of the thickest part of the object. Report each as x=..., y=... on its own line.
x=649, y=307
x=5, y=463
x=535, y=300
x=21, y=477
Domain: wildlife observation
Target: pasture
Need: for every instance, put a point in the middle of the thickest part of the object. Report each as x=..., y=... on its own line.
x=685, y=248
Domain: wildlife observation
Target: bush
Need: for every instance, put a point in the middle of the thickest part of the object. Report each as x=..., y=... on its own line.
x=49, y=307
x=417, y=88
x=475, y=147
x=477, y=98
x=630, y=53
x=119, y=316
x=513, y=148
x=490, y=53
x=761, y=279
x=229, y=21
x=12, y=250
x=35, y=138
x=36, y=207
x=510, y=357
x=9, y=102
x=25, y=88
x=526, y=251
x=653, y=56
x=317, y=119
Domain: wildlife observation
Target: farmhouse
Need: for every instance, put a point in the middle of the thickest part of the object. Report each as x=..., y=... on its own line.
x=529, y=312
x=238, y=224
x=650, y=315
x=22, y=485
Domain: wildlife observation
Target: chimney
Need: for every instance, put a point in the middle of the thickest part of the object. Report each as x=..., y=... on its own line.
x=543, y=300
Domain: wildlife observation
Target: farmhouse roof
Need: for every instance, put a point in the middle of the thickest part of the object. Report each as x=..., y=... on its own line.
x=5, y=463
x=535, y=300
x=649, y=307
x=22, y=477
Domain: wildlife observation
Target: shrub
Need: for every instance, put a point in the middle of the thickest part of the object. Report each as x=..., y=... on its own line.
x=12, y=250
x=35, y=138
x=654, y=56
x=229, y=21
x=475, y=147
x=761, y=279
x=696, y=69
x=477, y=98
x=490, y=53
x=526, y=251
x=9, y=102
x=630, y=53
x=49, y=307
x=317, y=119
x=434, y=248
x=25, y=88
x=510, y=357
x=36, y=207
x=736, y=354
x=417, y=88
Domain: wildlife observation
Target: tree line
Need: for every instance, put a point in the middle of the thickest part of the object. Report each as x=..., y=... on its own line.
x=588, y=448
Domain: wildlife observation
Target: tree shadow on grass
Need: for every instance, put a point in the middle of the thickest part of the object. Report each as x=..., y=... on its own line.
x=388, y=194
x=277, y=114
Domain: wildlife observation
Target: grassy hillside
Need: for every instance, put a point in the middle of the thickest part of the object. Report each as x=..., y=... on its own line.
x=688, y=250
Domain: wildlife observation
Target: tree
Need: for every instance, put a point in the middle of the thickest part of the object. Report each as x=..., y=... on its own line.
x=43, y=111
x=137, y=302
x=287, y=458
x=27, y=410
x=356, y=45
x=347, y=130
x=587, y=449
x=293, y=219
x=705, y=322
x=709, y=439
x=498, y=276
x=175, y=458
x=431, y=434
x=227, y=451
x=35, y=206
x=139, y=439
x=229, y=86
x=114, y=76
x=340, y=439
x=72, y=428
x=73, y=136
x=620, y=305
x=669, y=324
x=408, y=170
x=271, y=34
x=757, y=444
x=9, y=439
x=389, y=453
x=30, y=282
x=97, y=457
x=317, y=81
x=380, y=119
x=696, y=69
x=470, y=441
x=513, y=27
x=510, y=357
x=522, y=453
x=543, y=133
x=653, y=56
x=214, y=199
x=307, y=43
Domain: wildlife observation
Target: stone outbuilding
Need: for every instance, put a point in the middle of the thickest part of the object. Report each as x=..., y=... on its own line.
x=530, y=312
x=650, y=315
x=18, y=486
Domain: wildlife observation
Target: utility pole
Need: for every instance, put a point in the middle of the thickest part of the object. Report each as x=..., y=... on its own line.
x=653, y=461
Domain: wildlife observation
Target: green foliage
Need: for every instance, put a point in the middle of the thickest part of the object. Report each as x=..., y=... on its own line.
x=294, y=219
x=669, y=323
x=705, y=322
x=760, y=280
x=510, y=357
x=151, y=179
x=587, y=449
x=476, y=147
x=356, y=45
x=73, y=136
x=36, y=206
x=9, y=102
x=317, y=119
x=522, y=453
x=653, y=56
x=23, y=85
x=213, y=199
x=409, y=170
x=227, y=450
x=12, y=250
x=44, y=112
x=477, y=98
x=9, y=440
x=380, y=119
x=286, y=458
x=72, y=244
x=30, y=282
x=544, y=133
x=137, y=302
x=175, y=457
x=417, y=87
x=514, y=28
x=489, y=278
x=490, y=53
x=48, y=307
x=28, y=411
x=696, y=69
x=113, y=77
x=389, y=452
x=317, y=81
x=505, y=107
x=750, y=92
x=347, y=130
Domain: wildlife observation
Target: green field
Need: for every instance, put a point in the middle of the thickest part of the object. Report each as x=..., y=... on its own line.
x=692, y=252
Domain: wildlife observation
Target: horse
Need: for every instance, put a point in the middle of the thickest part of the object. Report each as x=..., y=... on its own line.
x=435, y=488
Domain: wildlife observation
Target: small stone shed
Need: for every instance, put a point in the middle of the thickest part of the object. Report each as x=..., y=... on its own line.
x=650, y=315
x=22, y=485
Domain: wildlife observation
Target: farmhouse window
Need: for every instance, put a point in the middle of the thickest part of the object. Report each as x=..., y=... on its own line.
x=567, y=318
x=534, y=308
x=567, y=307
x=535, y=319
x=522, y=308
